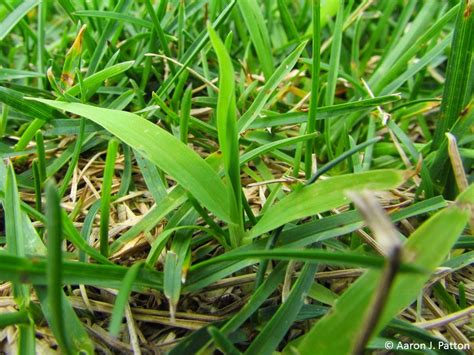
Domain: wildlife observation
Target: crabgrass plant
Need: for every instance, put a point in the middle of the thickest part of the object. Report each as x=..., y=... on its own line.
x=236, y=176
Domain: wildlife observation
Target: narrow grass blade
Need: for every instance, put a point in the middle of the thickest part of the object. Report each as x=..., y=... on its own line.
x=255, y=23
x=115, y=16
x=173, y=200
x=152, y=177
x=158, y=29
x=405, y=48
x=315, y=71
x=288, y=23
x=15, y=16
x=107, y=33
x=222, y=342
x=75, y=238
x=195, y=48
x=13, y=219
x=10, y=74
x=14, y=318
x=106, y=196
x=38, y=185
x=333, y=72
x=456, y=163
x=16, y=100
x=24, y=270
x=185, y=114
x=122, y=299
x=323, y=113
x=340, y=159
x=81, y=341
x=270, y=85
x=274, y=331
x=55, y=268
x=74, y=158
x=40, y=151
x=457, y=89
x=313, y=255
x=228, y=135
x=92, y=83
x=172, y=281
x=254, y=153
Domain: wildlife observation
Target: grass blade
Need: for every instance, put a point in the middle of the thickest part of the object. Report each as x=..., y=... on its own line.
x=255, y=23
x=271, y=335
x=427, y=246
x=106, y=196
x=315, y=71
x=15, y=16
x=228, y=136
x=122, y=299
x=457, y=89
x=55, y=268
x=330, y=194
x=271, y=84
x=161, y=148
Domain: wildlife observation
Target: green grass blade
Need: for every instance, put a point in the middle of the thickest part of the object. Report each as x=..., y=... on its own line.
x=228, y=135
x=40, y=151
x=115, y=16
x=405, y=47
x=426, y=248
x=13, y=219
x=323, y=113
x=222, y=342
x=333, y=72
x=195, y=48
x=457, y=90
x=255, y=22
x=287, y=21
x=254, y=153
x=15, y=16
x=163, y=149
x=152, y=177
x=158, y=29
x=81, y=342
x=185, y=113
x=54, y=267
x=172, y=280
x=313, y=255
x=330, y=194
x=15, y=100
x=173, y=200
x=274, y=331
x=266, y=92
x=107, y=33
x=106, y=196
x=10, y=74
x=74, y=158
x=24, y=270
x=122, y=299
x=12, y=318
x=315, y=72
x=91, y=83
x=258, y=297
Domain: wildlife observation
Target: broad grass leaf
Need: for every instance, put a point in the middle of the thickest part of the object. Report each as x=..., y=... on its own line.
x=323, y=196
x=426, y=248
x=161, y=148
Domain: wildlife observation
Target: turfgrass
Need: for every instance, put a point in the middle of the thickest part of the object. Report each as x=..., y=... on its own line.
x=236, y=176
